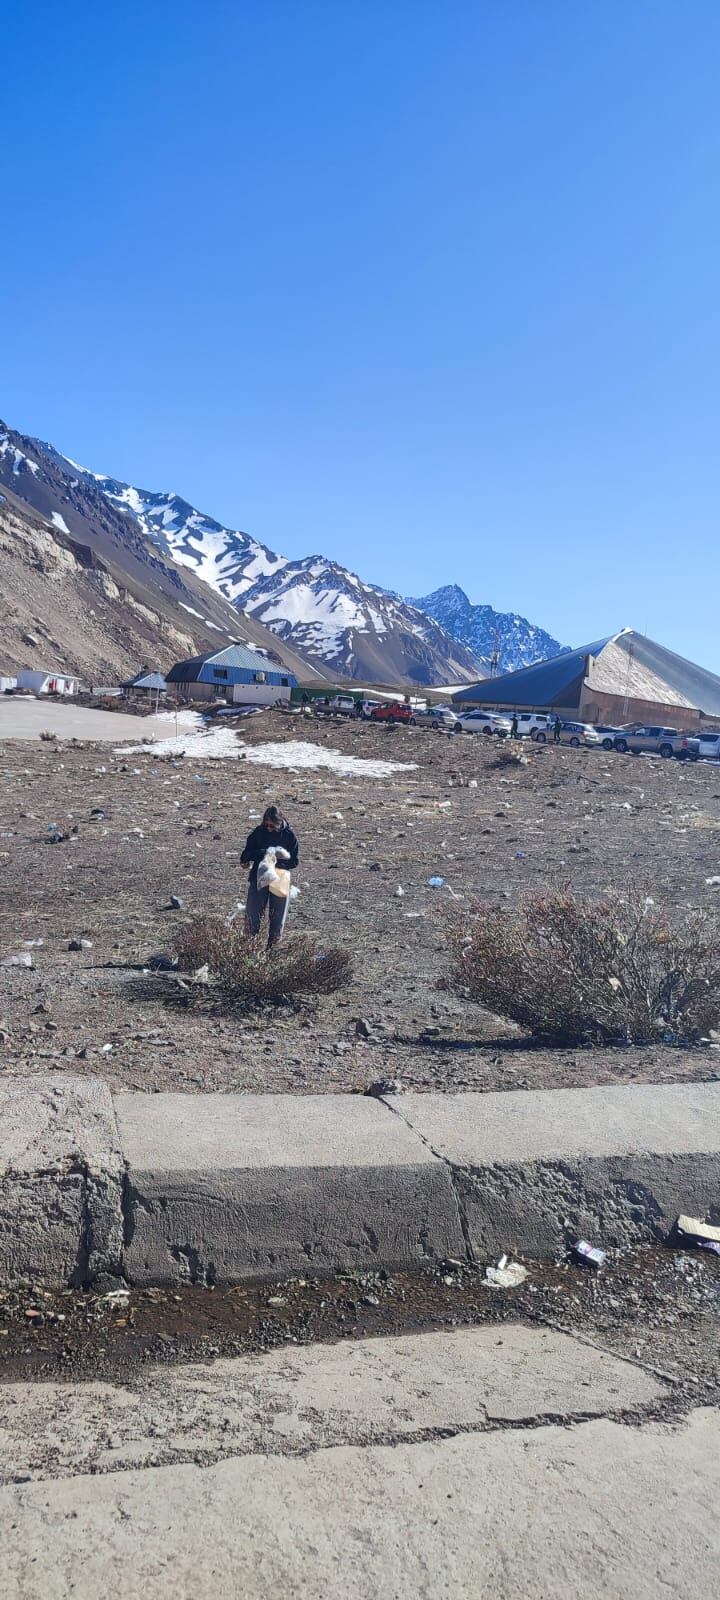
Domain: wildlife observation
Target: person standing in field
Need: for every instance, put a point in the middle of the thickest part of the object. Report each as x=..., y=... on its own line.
x=273, y=833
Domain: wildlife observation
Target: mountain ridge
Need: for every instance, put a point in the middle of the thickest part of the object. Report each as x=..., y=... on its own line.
x=337, y=621
x=503, y=638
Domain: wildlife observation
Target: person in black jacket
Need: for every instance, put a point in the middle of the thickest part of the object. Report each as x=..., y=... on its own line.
x=274, y=832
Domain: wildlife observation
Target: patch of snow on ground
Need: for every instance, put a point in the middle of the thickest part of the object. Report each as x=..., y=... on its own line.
x=59, y=522
x=192, y=610
x=297, y=754
x=186, y=719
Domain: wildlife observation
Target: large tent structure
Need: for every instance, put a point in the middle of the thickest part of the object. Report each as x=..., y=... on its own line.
x=624, y=678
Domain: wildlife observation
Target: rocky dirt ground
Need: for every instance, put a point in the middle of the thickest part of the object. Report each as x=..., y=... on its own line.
x=148, y=828
x=652, y=1305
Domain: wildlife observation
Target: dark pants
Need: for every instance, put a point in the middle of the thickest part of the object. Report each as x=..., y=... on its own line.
x=257, y=901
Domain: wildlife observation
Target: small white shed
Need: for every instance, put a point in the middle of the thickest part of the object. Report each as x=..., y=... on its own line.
x=42, y=682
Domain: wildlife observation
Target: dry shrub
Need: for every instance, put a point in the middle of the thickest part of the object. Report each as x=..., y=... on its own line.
x=250, y=974
x=577, y=971
x=510, y=757
x=47, y=735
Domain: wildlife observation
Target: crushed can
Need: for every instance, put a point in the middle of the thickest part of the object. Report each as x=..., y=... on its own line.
x=588, y=1255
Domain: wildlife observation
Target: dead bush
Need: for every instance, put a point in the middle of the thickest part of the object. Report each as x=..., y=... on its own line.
x=510, y=757
x=47, y=735
x=250, y=974
x=577, y=971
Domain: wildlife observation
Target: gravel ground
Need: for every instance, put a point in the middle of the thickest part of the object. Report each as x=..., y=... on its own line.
x=651, y=1305
x=587, y=818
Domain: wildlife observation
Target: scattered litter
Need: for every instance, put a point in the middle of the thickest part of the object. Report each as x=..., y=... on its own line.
x=33, y=944
x=588, y=1255
x=175, y=903
x=80, y=944
x=277, y=1300
x=473, y=783
x=435, y=883
x=24, y=959
x=116, y=1297
x=693, y=1231
x=713, y=882
x=506, y=1275
x=399, y=892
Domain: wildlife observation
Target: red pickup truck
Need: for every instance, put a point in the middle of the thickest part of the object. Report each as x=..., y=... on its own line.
x=393, y=711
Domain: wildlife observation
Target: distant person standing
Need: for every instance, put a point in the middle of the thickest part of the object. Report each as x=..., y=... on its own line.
x=557, y=731
x=273, y=833
x=514, y=726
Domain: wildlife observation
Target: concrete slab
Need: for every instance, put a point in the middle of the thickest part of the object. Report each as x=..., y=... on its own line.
x=601, y=1510
x=298, y=1399
x=532, y=1168
x=24, y=718
x=240, y=1186
x=61, y=1173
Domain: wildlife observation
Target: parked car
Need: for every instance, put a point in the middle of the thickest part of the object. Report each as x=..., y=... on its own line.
x=573, y=733
x=336, y=705
x=531, y=723
x=608, y=735
x=483, y=722
x=701, y=747
x=433, y=717
x=391, y=711
x=651, y=740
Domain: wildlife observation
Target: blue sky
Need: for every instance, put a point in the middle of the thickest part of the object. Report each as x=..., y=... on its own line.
x=431, y=288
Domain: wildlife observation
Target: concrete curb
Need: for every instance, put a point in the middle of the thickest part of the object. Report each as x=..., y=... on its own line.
x=209, y=1188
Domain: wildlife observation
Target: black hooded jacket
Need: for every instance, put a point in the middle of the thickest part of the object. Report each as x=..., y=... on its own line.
x=262, y=839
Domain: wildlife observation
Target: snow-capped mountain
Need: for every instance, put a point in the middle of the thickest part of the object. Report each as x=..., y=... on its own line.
x=84, y=586
x=484, y=631
x=356, y=629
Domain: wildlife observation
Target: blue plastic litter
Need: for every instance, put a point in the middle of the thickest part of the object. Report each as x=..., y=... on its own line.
x=435, y=883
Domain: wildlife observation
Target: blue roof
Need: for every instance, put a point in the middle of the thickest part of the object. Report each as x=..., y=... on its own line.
x=546, y=683
x=554, y=682
x=145, y=680
x=231, y=655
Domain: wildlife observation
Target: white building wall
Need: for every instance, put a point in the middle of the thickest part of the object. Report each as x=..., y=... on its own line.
x=46, y=682
x=259, y=694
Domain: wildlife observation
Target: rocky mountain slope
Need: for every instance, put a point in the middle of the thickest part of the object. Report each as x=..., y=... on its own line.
x=81, y=578
x=343, y=625
x=481, y=629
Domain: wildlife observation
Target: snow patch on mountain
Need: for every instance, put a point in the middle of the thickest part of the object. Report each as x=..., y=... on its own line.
x=315, y=605
x=516, y=642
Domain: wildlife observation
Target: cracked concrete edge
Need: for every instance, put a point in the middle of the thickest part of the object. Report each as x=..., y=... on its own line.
x=538, y=1207
x=82, y=1195
x=61, y=1180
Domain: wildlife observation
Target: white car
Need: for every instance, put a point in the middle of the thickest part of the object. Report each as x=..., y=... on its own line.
x=433, y=717
x=701, y=747
x=574, y=733
x=532, y=723
x=483, y=722
x=336, y=705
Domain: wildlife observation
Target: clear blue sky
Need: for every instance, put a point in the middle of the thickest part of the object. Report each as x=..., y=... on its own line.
x=431, y=288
